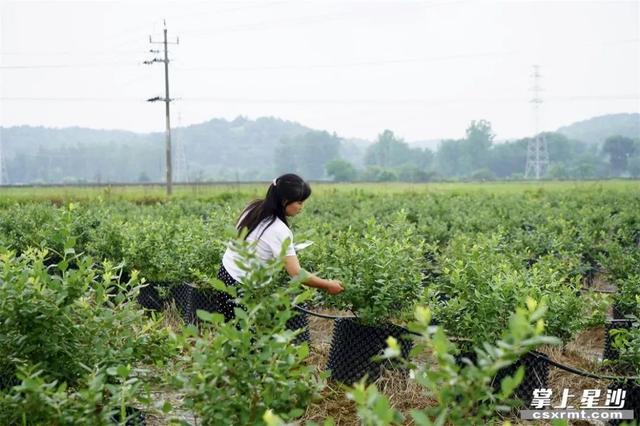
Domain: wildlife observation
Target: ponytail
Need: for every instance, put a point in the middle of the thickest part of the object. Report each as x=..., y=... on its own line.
x=283, y=191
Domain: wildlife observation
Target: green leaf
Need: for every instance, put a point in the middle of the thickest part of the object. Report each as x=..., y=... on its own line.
x=420, y=418
x=220, y=286
x=423, y=315
x=303, y=351
x=272, y=419
x=531, y=304
x=442, y=418
x=212, y=317
x=297, y=412
x=123, y=371
x=510, y=383
x=329, y=422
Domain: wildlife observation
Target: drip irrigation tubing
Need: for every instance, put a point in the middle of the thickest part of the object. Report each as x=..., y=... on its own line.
x=538, y=355
x=595, y=290
x=326, y=316
x=581, y=372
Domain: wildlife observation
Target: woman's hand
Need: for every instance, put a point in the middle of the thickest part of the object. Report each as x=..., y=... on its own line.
x=333, y=287
x=292, y=265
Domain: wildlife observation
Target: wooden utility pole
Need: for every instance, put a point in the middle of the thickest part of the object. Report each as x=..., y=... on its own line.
x=167, y=101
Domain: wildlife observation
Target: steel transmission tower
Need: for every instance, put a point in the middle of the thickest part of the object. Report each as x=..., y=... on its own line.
x=537, y=152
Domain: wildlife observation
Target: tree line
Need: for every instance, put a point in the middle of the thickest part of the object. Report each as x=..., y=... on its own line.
x=250, y=150
x=478, y=157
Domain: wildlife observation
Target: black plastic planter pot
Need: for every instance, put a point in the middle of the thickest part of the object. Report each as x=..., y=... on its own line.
x=617, y=312
x=8, y=381
x=631, y=401
x=134, y=417
x=536, y=374
x=354, y=344
x=211, y=300
x=205, y=300
x=189, y=299
x=149, y=297
x=182, y=294
x=299, y=321
x=609, y=351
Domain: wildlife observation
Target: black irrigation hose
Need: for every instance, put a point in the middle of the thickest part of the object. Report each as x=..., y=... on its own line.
x=536, y=354
x=315, y=314
x=409, y=331
x=598, y=291
x=581, y=372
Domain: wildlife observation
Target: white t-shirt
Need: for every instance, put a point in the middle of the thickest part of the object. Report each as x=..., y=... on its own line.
x=268, y=246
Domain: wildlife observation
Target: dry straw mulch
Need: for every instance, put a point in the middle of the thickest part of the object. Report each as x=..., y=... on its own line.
x=584, y=352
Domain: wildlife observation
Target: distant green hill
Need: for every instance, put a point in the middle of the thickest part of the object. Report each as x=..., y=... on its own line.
x=242, y=147
x=217, y=149
x=239, y=149
x=598, y=129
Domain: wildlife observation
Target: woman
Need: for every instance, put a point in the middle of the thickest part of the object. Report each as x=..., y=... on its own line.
x=267, y=226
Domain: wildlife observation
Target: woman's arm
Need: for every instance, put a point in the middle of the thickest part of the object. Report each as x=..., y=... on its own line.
x=292, y=265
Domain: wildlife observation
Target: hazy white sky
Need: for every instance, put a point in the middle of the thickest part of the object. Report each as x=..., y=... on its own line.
x=423, y=69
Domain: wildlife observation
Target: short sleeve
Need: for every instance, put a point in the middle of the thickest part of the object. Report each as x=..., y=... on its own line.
x=275, y=237
x=291, y=251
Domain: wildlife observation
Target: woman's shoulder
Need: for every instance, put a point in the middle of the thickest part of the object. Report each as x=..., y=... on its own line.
x=272, y=222
x=279, y=226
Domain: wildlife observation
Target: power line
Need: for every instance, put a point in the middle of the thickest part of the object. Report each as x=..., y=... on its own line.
x=350, y=64
x=270, y=24
x=288, y=66
x=125, y=38
x=68, y=99
x=257, y=5
x=301, y=19
x=571, y=98
x=404, y=101
x=93, y=52
x=592, y=98
x=133, y=33
x=118, y=64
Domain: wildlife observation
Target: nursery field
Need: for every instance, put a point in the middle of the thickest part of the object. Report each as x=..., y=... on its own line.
x=151, y=192
x=464, y=304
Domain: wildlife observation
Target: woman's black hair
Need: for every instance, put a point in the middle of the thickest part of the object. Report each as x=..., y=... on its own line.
x=283, y=191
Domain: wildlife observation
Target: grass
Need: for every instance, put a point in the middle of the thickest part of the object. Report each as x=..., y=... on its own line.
x=149, y=194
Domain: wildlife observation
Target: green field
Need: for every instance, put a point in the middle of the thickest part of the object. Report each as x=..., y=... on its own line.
x=505, y=267
x=204, y=191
